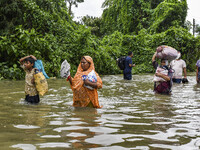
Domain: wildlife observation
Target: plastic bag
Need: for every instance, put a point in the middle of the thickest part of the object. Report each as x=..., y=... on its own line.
x=41, y=83
x=65, y=69
x=162, y=71
x=166, y=52
x=38, y=64
x=91, y=77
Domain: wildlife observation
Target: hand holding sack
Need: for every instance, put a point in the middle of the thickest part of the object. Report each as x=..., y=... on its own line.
x=41, y=83
x=166, y=52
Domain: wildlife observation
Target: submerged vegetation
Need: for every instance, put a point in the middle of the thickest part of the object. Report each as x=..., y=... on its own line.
x=45, y=29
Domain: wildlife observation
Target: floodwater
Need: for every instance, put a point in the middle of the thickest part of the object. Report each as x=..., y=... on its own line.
x=132, y=117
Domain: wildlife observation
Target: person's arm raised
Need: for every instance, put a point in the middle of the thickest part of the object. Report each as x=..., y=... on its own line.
x=154, y=57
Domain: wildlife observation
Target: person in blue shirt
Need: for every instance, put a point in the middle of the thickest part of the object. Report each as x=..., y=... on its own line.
x=128, y=66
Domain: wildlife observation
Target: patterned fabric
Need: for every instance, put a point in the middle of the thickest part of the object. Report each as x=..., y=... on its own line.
x=30, y=88
x=163, y=87
x=82, y=96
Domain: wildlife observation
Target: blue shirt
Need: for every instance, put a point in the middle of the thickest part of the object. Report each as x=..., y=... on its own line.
x=128, y=61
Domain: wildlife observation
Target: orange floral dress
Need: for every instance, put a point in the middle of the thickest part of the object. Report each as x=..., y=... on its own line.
x=83, y=96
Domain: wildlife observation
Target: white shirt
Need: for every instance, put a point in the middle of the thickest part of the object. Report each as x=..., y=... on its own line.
x=177, y=66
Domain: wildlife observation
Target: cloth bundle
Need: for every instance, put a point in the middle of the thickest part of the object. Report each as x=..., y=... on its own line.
x=162, y=71
x=91, y=77
x=166, y=52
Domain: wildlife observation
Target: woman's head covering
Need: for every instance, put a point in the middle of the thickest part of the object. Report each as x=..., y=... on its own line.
x=80, y=72
x=90, y=61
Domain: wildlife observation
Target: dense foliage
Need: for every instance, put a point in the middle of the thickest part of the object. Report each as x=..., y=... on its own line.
x=45, y=29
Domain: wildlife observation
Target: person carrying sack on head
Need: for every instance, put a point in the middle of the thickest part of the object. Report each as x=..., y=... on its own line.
x=162, y=86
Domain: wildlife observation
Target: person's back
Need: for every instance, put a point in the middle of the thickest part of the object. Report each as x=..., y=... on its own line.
x=128, y=66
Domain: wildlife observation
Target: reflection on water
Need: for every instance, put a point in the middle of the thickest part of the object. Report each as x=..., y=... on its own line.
x=132, y=117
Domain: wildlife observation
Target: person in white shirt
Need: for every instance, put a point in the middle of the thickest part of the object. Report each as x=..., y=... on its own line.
x=179, y=67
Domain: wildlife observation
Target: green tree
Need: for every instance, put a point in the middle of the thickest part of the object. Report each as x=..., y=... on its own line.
x=94, y=23
x=168, y=13
x=9, y=12
x=197, y=29
x=71, y=3
x=188, y=25
x=128, y=16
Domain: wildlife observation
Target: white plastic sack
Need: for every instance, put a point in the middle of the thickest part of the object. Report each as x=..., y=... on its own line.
x=92, y=78
x=65, y=69
x=166, y=52
x=162, y=71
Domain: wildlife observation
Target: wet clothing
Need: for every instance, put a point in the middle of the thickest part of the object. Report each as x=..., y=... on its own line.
x=163, y=87
x=177, y=66
x=32, y=99
x=83, y=96
x=198, y=65
x=128, y=70
x=176, y=80
x=31, y=93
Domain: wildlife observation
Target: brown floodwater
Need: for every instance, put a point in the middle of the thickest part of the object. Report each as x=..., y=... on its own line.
x=132, y=117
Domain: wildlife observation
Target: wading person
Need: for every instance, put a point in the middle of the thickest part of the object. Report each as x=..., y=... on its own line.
x=128, y=66
x=31, y=93
x=198, y=71
x=85, y=84
x=162, y=84
x=179, y=67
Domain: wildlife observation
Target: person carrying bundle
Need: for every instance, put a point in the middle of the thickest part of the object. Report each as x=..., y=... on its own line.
x=35, y=81
x=162, y=77
x=85, y=84
x=31, y=93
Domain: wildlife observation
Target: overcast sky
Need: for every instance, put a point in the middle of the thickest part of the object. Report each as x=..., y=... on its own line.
x=93, y=8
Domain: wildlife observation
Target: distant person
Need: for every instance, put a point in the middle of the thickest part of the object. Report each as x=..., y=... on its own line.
x=198, y=71
x=84, y=89
x=31, y=93
x=128, y=66
x=163, y=84
x=179, y=67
